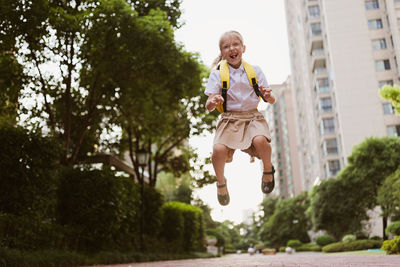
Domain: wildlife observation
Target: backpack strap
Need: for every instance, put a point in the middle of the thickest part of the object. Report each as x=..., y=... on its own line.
x=251, y=75
x=224, y=75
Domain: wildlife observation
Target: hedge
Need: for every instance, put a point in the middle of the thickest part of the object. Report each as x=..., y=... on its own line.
x=324, y=240
x=182, y=226
x=309, y=247
x=352, y=245
x=294, y=243
x=29, y=173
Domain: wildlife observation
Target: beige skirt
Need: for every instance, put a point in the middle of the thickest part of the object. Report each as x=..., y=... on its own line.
x=236, y=130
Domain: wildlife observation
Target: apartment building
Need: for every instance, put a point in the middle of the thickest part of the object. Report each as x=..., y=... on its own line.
x=341, y=53
x=281, y=120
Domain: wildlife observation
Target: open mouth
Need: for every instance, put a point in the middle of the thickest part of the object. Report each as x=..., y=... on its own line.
x=233, y=56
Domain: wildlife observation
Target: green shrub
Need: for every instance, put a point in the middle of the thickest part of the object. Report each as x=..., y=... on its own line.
x=393, y=228
x=13, y=257
x=324, y=240
x=267, y=243
x=294, y=243
x=282, y=249
x=182, y=226
x=103, y=210
x=375, y=237
x=259, y=246
x=30, y=234
x=309, y=247
x=29, y=173
x=268, y=250
x=348, y=238
x=218, y=235
x=352, y=245
x=392, y=246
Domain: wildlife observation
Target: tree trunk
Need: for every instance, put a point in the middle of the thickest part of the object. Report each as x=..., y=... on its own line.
x=384, y=223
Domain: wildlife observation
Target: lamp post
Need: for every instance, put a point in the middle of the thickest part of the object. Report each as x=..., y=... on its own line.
x=142, y=158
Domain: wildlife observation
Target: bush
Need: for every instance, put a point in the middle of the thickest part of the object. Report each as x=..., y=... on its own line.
x=348, y=238
x=393, y=228
x=324, y=240
x=282, y=249
x=259, y=247
x=29, y=173
x=352, y=245
x=265, y=250
x=26, y=233
x=103, y=210
x=267, y=243
x=294, y=243
x=309, y=247
x=392, y=246
x=218, y=235
x=375, y=237
x=182, y=226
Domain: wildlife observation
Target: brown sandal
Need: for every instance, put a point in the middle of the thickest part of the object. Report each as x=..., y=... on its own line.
x=223, y=199
x=267, y=187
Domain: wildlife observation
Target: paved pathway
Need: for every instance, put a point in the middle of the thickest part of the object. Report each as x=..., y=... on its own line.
x=308, y=259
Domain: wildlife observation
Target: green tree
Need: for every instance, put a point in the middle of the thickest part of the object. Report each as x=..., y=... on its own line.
x=11, y=80
x=289, y=221
x=268, y=206
x=339, y=206
x=176, y=189
x=392, y=93
x=389, y=196
x=96, y=50
x=336, y=207
x=208, y=221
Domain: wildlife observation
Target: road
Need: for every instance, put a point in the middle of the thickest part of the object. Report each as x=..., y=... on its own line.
x=309, y=259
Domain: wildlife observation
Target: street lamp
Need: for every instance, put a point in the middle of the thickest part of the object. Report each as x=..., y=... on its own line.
x=142, y=157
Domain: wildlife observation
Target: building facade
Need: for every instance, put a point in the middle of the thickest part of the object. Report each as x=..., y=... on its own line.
x=281, y=119
x=341, y=53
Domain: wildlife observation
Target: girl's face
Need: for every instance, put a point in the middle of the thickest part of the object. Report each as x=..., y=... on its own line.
x=232, y=48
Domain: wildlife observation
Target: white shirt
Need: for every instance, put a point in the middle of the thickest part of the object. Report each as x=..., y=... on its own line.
x=241, y=95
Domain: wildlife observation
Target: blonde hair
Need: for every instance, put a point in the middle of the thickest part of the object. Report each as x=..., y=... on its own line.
x=219, y=57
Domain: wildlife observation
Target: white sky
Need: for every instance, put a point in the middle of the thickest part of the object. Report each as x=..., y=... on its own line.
x=263, y=26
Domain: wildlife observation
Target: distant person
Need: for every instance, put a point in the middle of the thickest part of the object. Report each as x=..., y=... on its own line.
x=241, y=125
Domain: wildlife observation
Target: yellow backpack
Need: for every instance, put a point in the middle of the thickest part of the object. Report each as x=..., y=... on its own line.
x=224, y=74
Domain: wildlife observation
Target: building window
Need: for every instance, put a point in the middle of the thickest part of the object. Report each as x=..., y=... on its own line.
x=323, y=85
x=393, y=130
x=327, y=126
x=374, y=24
x=371, y=4
x=379, y=44
x=381, y=65
x=313, y=12
x=330, y=147
x=388, y=82
x=333, y=167
x=388, y=108
x=315, y=29
x=325, y=104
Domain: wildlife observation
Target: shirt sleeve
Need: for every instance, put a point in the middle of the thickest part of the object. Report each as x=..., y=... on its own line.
x=213, y=84
x=262, y=81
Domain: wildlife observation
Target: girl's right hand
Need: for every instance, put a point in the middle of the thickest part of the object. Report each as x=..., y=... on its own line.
x=213, y=101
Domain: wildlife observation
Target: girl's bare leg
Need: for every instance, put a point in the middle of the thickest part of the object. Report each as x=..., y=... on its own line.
x=263, y=149
x=220, y=153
